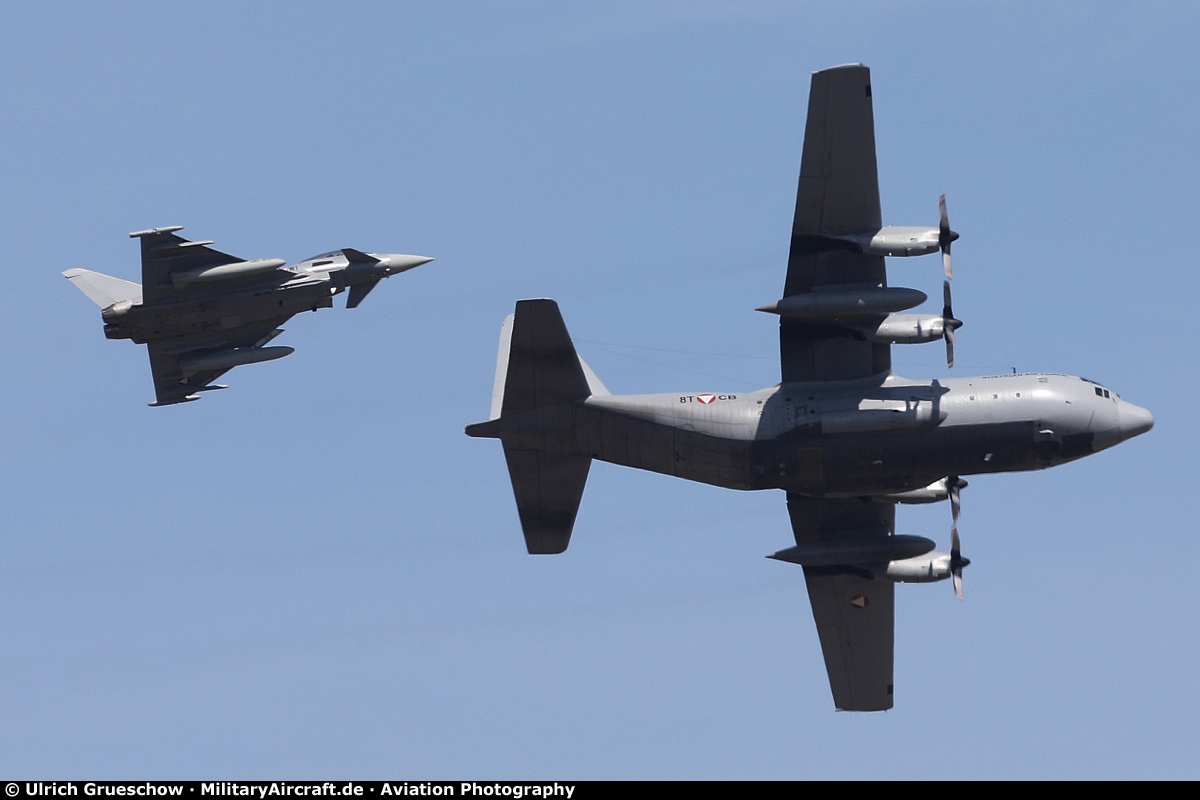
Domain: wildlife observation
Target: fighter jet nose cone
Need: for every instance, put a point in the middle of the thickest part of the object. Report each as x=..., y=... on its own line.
x=400, y=262
x=1135, y=421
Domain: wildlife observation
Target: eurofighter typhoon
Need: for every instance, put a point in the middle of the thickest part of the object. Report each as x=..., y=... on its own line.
x=201, y=312
x=842, y=435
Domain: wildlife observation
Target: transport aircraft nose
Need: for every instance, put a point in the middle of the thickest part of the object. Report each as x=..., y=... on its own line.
x=1134, y=420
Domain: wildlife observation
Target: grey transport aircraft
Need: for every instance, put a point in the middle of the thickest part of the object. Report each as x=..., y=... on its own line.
x=845, y=437
x=202, y=312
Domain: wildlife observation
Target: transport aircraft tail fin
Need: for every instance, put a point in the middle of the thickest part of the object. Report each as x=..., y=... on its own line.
x=539, y=379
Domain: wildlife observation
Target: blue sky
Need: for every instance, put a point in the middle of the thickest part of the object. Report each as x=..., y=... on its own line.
x=316, y=574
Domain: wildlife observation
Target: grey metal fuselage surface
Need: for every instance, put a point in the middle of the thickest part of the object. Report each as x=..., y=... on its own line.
x=870, y=438
x=842, y=435
x=217, y=311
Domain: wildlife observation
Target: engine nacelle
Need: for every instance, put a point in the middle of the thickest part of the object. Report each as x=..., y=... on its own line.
x=895, y=240
x=908, y=329
x=933, y=493
x=927, y=568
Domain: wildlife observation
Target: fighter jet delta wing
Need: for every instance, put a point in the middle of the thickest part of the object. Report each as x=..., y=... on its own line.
x=173, y=266
x=184, y=365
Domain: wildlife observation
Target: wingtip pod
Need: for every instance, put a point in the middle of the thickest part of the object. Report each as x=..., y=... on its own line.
x=155, y=231
x=174, y=402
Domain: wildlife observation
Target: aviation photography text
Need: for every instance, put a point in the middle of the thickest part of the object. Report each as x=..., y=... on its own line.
x=264, y=789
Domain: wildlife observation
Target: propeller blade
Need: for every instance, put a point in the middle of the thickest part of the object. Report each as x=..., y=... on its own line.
x=956, y=562
x=954, y=485
x=949, y=323
x=945, y=237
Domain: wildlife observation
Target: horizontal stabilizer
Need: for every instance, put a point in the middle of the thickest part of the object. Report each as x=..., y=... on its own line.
x=104, y=290
x=548, y=487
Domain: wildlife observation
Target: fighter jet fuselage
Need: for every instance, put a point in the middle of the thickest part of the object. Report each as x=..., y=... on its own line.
x=215, y=312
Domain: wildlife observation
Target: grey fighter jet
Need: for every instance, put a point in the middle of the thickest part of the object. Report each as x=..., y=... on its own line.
x=202, y=312
x=845, y=437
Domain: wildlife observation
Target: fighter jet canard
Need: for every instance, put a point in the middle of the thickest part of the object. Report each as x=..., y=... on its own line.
x=845, y=437
x=201, y=312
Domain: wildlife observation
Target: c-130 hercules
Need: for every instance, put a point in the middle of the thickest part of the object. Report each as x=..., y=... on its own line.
x=202, y=312
x=843, y=435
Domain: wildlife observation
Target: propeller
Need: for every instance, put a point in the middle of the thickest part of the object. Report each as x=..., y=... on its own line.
x=945, y=237
x=954, y=484
x=949, y=323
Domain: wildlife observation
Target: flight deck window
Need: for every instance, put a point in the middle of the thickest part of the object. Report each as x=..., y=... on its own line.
x=1099, y=392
